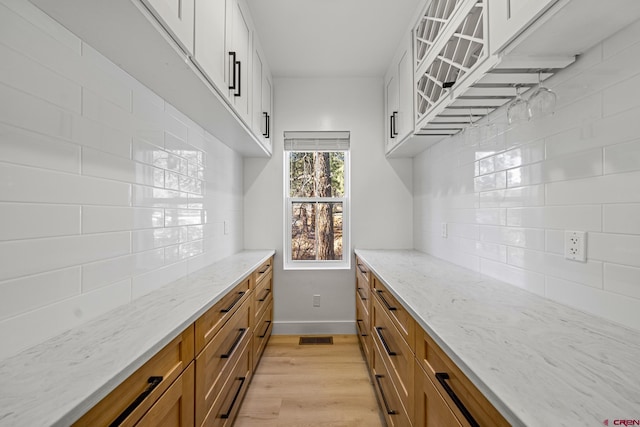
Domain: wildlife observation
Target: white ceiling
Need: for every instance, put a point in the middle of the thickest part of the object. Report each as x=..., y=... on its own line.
x=331, y=38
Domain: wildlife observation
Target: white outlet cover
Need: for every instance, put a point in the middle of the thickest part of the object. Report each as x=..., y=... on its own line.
x=575, y=245
x=445, y=232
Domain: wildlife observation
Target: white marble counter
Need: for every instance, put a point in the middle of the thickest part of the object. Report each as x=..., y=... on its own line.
x=540, y=363
x=56, y=382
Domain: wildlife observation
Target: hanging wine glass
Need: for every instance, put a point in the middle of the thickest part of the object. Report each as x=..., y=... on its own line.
x=489, y=129
x=472, y=132
x=518, y=110
x=542, y=101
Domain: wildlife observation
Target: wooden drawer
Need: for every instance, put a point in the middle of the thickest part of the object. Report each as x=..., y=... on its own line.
x=393, y=411
x=395, y=352
x=363, y=273
x=430, y=408
x=261, y=333
x=364, y=332
x=398, y=314
x=464, y=399
x=216, y=361
x=148, y=383
x=212, y=320
x=363, y=295
x=175, y=406
x=262, y=272
x=227, y=403
x=263, y=296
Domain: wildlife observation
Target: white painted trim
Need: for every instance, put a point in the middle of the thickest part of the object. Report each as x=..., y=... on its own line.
x=339, y=327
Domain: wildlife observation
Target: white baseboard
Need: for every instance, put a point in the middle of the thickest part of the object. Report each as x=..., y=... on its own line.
x=345, y=327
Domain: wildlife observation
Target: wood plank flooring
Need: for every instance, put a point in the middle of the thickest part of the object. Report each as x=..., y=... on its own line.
x=310, y=386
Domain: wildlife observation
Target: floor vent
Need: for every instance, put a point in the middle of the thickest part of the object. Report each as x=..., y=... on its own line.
x=315, y=340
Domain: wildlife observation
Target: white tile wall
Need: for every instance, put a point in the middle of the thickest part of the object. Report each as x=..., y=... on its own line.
x=576, y=170
x=106, y=191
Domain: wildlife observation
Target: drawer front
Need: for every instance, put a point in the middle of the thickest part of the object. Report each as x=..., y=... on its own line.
x=263, y=295
x=364, y=332
x=393, y=411
x=363, y=273
x=225, y=407
x=262, y=272
x=400, y=317
x=430, y=408
x=215, y=362
x=175, y=406
x=396, y=354
x=208, y=325
x=151, y=380
x=363, y=295
x=261, y=334
x=453, y=385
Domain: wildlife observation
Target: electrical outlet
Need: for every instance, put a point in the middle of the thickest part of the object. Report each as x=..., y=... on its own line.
x=316, y=300
x=575, y=245
x=227, y=226
x=445, y=232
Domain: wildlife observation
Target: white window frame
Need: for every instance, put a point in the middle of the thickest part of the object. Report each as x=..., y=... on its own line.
x=345, y=262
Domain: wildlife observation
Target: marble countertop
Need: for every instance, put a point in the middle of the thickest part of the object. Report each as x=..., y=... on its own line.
x=56, y=382
x=540, y=363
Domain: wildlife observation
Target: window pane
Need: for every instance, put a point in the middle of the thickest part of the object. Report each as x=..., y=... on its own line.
x=301, y=174
x=316, y=174
x=329, y=231
x=303, y=231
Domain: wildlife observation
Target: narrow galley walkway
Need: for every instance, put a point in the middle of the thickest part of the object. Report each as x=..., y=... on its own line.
x=311, y=386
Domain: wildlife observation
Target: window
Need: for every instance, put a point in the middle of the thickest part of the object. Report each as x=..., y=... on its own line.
x=317, y=200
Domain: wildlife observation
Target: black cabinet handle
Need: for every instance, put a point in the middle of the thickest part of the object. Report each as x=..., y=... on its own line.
x=266, y=124
x=229, y=352
x=391, y=127
x=384, y=398
x=384, y=342
x=264, y=334
x=266, y=294
x=235, y=398
x=233, y=304
x=395, y=116
x=153, y=383
x=360, y=295
x=233, y=67
x=442, y=378
x=265, y=269
x=358, y=321
x=362, y=269
x=239, y=91
x=384, y=301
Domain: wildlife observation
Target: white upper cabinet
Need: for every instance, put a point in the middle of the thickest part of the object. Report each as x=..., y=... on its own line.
x=239, y=55
x=262, y=99
x=507, y=18
x=210, y=40
x=399, y=95
x=178, y=17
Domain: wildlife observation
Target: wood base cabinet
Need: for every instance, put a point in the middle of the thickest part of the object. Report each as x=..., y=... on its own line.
x=430, y=408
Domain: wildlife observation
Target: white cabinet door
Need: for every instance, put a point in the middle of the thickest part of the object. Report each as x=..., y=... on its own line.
x=404, y=119
x=267, y=105
x=177, y=16
x=239, y=51
x=508, y=18
x=391, y=107
x=262, y=96
x=210, y=41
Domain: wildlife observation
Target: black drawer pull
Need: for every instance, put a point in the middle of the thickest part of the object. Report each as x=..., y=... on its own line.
x=233, y=402
x=266, y=124
x=384, y=398
x=384, y=301
x=358, y=321
x=239, y=91
x=442, y=378
x=384, y=342
x=233, y=304
x=266, y=294
x=362, y=269
x=265, y=269
x=153, y=383
x=268, y=322
x=233, y=62
x=391, y=135
x=360, y=294
x=395, y=124
x=229, y=352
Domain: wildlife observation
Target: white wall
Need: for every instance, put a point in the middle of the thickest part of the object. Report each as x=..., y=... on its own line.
x=106, y=191
x=508, y=200
x=381, y=214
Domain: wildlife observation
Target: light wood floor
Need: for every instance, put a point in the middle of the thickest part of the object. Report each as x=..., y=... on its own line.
x=311, y=386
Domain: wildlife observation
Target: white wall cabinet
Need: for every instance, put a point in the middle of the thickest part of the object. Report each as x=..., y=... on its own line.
x=398, y=86
x=210, y=40
x=507, y=18
x=178, y=18
x=262, y=99
x=239, y=36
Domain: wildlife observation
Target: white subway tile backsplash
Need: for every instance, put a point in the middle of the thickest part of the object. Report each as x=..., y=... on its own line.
x=622, y=218
x=101, y=219
x=614, y=248
x=529, y=280
x=513, y=197
x=622, y=280
x=145, y=240
x=25, y=257
x=102, y=273
x=24, y=184
x=176, y=217
x=32, y=220
x=523, y=237
x=491, y=216
x=103, y=111
x=89, y=133
x=158, y=197
x=148, y=282
x=29, y=293
x=578, y=165
x=622, y=157
x=32, y=149
x=104, y=165
x=618, y=188
x=575, y=217
x=494, y=181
